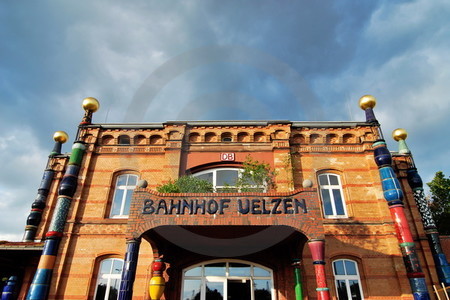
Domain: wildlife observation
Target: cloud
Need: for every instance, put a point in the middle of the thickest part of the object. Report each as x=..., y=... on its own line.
x=23, y=163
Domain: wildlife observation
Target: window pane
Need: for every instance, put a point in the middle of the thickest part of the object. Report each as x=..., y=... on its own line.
x=122, y=180
x=114, y=289
x=105, y=266
x=208, y=177
x=338, y=203
x=132, y=179
x=262, y=289
x=191, y=289
x=117, y=202
x=126, y=208
x=260, y=272
x=237, y=269
x=117, y=266
x=323, y=180
x=333, y=180
x=226, y=177
x=194, y=272
x=342, y=290
x=328, y=210
x=217, y=269
x=339, y=267
x=350, y=267
x=214, y=291
x=354, y=290
x=101, y=289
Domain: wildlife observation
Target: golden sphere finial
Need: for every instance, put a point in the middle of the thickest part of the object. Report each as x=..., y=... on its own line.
x=367, y=101
x=399, y=134
x=91, y=104
x=60, y=136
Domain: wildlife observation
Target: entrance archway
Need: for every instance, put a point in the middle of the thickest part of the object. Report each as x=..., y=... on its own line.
x=258, y=273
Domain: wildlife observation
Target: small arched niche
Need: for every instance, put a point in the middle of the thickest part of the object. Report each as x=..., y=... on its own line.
x=124, y=140
x=156, y=140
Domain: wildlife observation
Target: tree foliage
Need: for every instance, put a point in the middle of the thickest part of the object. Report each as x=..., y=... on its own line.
x=186, y=184
x=440, y=202
x=255, y=176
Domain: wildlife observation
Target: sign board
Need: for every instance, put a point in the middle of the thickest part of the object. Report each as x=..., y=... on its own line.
x=227, y=156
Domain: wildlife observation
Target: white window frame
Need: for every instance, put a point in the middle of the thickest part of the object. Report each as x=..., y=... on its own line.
x=347, y=278
x=127, y=189
x=108, y=276
x=330, y=188
x=223, y=279
x=214, y=177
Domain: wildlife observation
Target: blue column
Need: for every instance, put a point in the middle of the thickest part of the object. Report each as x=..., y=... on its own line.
x=129, y=269
x=9, y=291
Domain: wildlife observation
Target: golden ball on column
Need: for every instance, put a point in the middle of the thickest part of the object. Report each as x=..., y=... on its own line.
x=60, y=136
x=367, y=101
x=399, y=134
x=90, y=104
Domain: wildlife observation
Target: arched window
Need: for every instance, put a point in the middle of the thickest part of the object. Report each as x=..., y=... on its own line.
x=227, y=280
x=224, y=180
x=332, y=197
x=347, y=280
x=108, y=279
x=125, y=185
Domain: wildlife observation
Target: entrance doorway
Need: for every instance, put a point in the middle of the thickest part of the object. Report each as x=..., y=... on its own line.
x=227, y=280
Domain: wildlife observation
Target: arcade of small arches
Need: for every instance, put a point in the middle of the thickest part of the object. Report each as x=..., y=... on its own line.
x=296, y=138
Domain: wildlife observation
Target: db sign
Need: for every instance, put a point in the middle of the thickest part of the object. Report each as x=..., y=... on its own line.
x=227, y=156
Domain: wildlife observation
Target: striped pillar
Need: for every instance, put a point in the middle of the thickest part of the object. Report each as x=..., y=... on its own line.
x=393, y=194
x=37, y=208
x=317, y=248
x=440, y=260
x=41, y=282
x=157, y=283
x=416, y=184
x=129, y=269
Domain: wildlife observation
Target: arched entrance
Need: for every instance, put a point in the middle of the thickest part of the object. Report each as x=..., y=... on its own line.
x=226, y=262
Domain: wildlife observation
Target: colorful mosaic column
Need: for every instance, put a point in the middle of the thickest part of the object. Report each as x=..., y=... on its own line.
x=37, y=208
x=393, y=194
x=297, y=264
x=41, y=282
x=9, y=291
x=129, y=269
x=157, y=282
x=317, y=248
x=416, y=184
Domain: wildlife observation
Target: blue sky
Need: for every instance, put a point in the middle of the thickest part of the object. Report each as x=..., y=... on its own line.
x=152, y=61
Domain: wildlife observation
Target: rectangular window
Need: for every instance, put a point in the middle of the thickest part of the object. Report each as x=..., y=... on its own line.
x=332, y=197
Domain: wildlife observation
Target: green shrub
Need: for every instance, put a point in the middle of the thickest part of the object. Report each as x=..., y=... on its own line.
x=186, y=184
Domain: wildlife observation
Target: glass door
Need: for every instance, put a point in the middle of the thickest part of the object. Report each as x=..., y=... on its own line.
x=227, y=280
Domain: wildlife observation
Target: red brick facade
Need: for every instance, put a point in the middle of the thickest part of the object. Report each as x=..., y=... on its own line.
x=296, y=151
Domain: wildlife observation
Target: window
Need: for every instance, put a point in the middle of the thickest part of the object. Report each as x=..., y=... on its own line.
x=225, y=179
x=348, y=283
x=219, y=280
x=125, y=184
x=108, y=280
x=332, y=198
